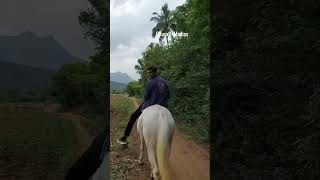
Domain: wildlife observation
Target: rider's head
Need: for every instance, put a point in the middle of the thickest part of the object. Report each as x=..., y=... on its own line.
x=152, y=71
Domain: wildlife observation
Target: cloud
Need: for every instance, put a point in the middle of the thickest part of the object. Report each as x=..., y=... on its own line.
x=125, y=57
x=130, y=31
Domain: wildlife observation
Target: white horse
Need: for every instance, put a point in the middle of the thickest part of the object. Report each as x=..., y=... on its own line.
x=156, y=126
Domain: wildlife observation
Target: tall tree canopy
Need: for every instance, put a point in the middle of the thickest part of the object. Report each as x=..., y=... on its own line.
x=266, y=85
x=165, y=22
x=95, y=23
x=85, y=84
x=185, y=66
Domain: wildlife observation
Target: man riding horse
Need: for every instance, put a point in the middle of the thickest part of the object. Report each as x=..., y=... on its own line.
x=156, y=92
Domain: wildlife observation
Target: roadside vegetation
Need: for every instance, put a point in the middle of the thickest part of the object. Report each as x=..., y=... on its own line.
x=123, y=161
x=184, y=64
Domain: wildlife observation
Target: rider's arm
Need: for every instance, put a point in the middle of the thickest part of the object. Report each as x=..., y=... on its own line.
x=147, y=91
x=168, y=90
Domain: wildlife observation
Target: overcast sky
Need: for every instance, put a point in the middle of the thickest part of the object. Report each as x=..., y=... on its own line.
x=58, y=18
x=131, y=27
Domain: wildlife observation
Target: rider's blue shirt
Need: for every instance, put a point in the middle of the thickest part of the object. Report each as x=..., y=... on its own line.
x=156, y=92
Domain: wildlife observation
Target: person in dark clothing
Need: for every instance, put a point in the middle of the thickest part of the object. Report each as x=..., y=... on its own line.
x=156, y=92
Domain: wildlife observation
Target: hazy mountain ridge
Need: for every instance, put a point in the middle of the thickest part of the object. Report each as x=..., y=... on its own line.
x=117, y=86
x=32, y=50
x=120, y=77
x=22, y=77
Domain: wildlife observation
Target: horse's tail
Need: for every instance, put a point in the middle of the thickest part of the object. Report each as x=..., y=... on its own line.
x=163, y=146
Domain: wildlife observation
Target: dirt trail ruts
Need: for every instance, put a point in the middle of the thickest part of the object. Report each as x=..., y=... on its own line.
x=83, y=137
x=189, y=161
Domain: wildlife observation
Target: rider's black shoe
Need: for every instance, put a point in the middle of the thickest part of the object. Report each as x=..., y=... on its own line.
x=122, y=140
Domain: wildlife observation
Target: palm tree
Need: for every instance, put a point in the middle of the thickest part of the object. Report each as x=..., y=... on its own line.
x=165, y=23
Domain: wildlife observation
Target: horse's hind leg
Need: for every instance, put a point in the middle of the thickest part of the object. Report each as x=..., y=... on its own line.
x=153, y=162
x=141, y=149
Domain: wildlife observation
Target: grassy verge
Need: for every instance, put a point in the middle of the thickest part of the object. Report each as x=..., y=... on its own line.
x=94, y=123
x=34, y=143
x=123, y=107
x=195, y=132
x=123, y=165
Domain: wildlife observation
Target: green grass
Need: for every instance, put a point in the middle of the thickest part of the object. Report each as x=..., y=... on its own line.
x=35, y=144
x=123, y=162
x=123, y=107
x=94, y=123
x=121, y=104
x=196, y=132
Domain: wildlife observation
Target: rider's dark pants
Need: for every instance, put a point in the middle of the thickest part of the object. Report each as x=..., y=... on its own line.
x=134, y=116
x=132, y=120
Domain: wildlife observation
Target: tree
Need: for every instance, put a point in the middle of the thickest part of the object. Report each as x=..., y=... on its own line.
x=184, y=65
x=77, y=85
x=134, y=88
x=266, y=80
x=94, y=21
x=85, y=84
x=165, y=22
x=180, y=18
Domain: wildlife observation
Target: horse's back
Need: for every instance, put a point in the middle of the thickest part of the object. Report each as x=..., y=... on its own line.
x=154, y=117
x=155, y=112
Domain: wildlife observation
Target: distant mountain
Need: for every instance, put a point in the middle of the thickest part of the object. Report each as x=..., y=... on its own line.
x=117, y=86
x=120, y=77
x=22, y=77
x=31, y=50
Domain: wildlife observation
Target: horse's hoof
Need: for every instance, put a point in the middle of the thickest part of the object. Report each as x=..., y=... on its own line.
x=141, y=163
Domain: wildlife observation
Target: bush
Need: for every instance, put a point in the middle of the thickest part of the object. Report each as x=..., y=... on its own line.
x=134, y=88
x=76, y=85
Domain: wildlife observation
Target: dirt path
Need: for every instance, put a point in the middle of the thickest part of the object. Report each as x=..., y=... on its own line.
x=189, y=160
x=83, y=137
x=32, y=167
